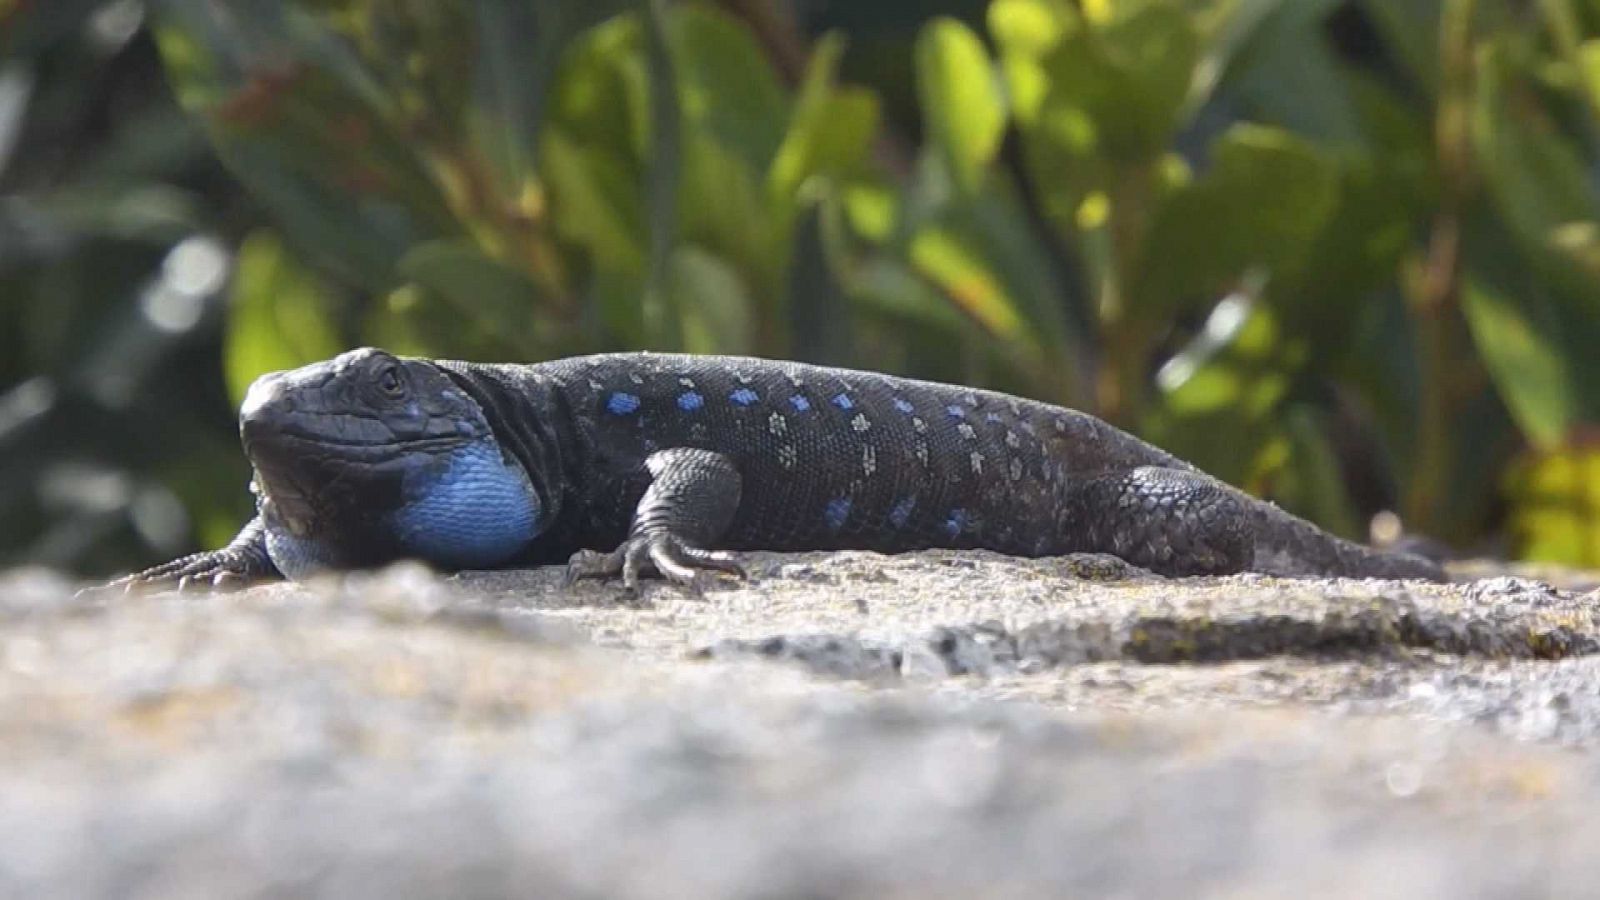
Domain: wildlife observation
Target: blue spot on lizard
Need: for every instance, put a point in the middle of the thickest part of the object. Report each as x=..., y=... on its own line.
x=838, y=510
x=622, y=404
x=901, y=513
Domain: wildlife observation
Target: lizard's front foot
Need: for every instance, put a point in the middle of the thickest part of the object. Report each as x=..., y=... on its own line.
x=670, y=556
x=218, y=570
x=237, y=565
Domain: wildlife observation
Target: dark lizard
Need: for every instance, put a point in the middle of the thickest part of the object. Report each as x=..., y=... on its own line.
x=625, y=463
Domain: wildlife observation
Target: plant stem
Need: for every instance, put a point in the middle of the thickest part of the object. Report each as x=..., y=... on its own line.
x=1434, y=298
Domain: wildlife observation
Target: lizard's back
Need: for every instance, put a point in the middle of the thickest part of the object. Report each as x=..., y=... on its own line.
x=836, y=458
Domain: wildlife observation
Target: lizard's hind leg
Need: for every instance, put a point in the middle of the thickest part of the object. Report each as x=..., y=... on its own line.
x=1170, y=521
x=689, y=504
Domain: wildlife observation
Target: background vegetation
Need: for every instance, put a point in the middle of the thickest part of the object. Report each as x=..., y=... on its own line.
x=1344, y=253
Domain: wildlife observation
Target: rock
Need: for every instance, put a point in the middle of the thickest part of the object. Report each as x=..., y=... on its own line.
x=846, y=724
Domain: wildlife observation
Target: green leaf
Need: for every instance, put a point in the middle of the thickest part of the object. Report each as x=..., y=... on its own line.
x=307, y=131
x=1285, y=72
x=954, y=265
x=1238, y=365
x=1031, y=28
x=960, y=98
x=1515, y=336
x=726, y=84
x=1355, y=255
x=595, y=202
x=279, y=318
x=1533, y=171
x=511, y=78
x=1541, y=187
x=662, y=172
x=1554, y=501
x=727, y=211
x=1311, y=484
x=1265, y=200
x=831, y=130
x=885, y=285
x=1129, y=79
x=497, y=299
x=714, y=301
x=1026, y=31
x=350, y=238
x=601, y=95
x=1539, y=257
x=1410, y=30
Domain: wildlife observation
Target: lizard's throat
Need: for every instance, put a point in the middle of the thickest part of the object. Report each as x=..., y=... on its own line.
x=469, y=507
x=477, y=509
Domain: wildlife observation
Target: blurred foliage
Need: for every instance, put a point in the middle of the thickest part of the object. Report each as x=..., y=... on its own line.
x=1344, y=253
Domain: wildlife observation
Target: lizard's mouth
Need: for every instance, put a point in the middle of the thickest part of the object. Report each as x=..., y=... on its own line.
x=341, y=456
x=391, y=446
x=316, y=482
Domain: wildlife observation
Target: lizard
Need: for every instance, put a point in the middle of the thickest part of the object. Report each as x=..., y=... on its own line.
x=628, y=464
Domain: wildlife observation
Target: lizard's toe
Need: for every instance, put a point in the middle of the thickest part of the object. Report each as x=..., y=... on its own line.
x=592, y=564
x=662, y=553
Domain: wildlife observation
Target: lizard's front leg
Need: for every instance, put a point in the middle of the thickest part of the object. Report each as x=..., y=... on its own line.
x=1169, y=521
x=242, y=561
x=691, y=500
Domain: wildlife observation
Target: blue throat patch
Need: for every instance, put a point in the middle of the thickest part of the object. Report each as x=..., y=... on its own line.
x=475, y=511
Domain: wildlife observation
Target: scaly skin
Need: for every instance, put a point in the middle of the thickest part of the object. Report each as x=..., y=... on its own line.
x=634, y=462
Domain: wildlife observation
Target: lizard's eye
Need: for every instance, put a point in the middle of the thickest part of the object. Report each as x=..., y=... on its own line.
x=389, y=381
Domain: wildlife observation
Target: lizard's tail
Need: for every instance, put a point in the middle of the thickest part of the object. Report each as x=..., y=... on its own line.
x=1288, y=545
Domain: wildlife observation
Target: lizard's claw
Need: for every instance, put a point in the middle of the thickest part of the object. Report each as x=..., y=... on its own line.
x=220, y=570
x=674, y=560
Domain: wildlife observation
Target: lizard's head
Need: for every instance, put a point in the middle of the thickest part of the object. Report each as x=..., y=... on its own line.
x=368, y=457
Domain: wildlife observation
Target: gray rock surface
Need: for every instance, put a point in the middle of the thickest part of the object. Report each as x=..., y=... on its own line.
x=846, y=725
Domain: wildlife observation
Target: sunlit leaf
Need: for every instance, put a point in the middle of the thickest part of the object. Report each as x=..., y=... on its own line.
x=1229, y=379
x=1554, y=500
x=890, y=288
x=279, y=317
x=1026, y=31
x=968, y=280
x=1529, y=367
x=1130, y=78
x=961, y=98
x=831, y=129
